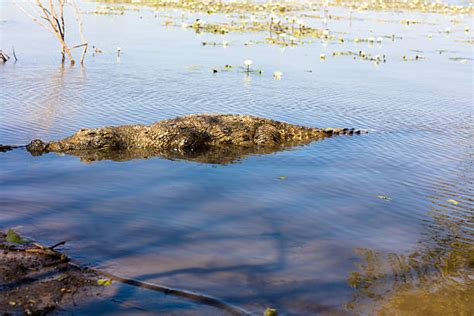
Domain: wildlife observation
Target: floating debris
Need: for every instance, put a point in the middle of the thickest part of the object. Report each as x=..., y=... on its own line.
x=104, y=282
x=97, y=50
x=209, y=43
x=408, y=22
x=453, y=202
x=409, y=5
x=282, y=8
x=270, y=312
x=112, y=10
x=462, y=60
x=413, y=58
x=362, y=56
x=3, y=57
x=14, y=238
x=192, y=68
x=283, y=21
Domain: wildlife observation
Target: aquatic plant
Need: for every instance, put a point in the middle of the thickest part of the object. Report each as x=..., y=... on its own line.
x=282, y=22
x=270, y=312
x=14, y=238
x=287, y=7
x=248, y=63
x=409, y=5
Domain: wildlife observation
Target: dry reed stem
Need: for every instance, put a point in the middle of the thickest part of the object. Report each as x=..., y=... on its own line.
x=81, y=30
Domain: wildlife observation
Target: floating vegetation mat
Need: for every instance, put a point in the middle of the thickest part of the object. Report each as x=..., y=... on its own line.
x=288, y=23
x=293, y=6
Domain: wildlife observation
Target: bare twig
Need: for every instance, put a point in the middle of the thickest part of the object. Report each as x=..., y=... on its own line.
x=56, y=23
x=58, y=244
x=80, y=45
x=33, y=18
x=14, y=54
x=193, y=296
x=51, y=16
x=81, y=31
x=61, y=15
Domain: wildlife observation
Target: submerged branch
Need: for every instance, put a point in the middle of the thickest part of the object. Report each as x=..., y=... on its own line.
x=60, y=258
x=196, y=297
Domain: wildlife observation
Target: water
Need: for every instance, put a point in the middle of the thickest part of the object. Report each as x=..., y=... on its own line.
x=321, y=241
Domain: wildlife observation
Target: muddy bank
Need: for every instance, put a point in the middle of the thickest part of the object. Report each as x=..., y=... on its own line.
x=35, y=279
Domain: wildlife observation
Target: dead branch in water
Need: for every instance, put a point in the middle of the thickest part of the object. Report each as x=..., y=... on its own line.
x=52, y=11
x=39, y=249
x=14, y=54
x=3, y=57
x=56, y=26
x=196, y=297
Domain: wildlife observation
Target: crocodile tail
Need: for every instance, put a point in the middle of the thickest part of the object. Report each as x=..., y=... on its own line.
x=343, y=131
x=304, y=133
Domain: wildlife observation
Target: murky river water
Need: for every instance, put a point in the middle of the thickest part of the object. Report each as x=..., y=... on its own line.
x=349, y=225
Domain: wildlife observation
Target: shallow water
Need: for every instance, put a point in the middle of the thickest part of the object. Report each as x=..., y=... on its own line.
x=305, y=244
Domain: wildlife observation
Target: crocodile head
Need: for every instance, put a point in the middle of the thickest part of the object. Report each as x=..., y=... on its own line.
x=84, y=139
x=89, y=139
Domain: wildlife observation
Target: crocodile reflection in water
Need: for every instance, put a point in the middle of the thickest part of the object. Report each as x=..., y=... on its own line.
x=208, y=138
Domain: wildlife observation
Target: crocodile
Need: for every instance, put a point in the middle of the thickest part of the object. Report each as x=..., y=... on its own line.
x=214, y=138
